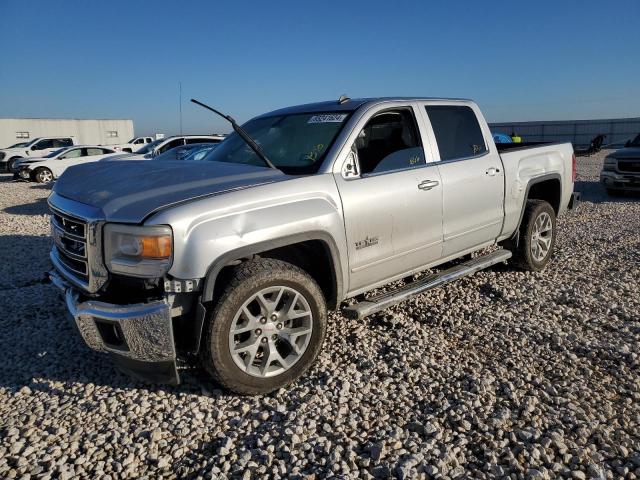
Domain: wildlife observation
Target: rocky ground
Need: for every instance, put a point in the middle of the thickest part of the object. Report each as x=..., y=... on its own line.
x=505, y=374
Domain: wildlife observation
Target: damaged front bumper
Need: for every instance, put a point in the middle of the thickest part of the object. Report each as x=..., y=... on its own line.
x=138, y=337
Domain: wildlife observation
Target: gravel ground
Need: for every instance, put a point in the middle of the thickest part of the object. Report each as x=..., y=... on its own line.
x=505, y=374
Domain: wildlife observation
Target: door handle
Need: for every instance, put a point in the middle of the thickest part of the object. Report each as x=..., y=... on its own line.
x=428, y=184
x=492, y=171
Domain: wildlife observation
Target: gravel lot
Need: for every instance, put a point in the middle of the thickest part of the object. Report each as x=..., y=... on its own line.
x=503, y=374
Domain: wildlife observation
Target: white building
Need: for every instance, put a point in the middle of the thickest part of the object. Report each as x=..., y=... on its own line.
x=98, y=132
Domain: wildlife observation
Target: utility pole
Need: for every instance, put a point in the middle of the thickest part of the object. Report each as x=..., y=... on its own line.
x=180, y=104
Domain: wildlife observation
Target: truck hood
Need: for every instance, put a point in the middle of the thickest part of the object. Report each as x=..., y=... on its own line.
x=627, y=152
x=129, y=192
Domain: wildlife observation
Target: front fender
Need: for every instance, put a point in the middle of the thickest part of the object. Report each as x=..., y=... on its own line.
x=211, y=232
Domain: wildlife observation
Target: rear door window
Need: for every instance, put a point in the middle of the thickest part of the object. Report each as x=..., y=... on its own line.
x=457, y=131
x=202, y=140
x=62, y=142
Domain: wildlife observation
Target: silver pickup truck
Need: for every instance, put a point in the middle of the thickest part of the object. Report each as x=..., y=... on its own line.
x=234, y=262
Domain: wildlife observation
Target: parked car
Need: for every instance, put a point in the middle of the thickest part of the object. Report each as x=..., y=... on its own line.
x=236, y=263
x=194, y=151
x=163, y=145
x=38, y=147
x=621, y=169
x=134, y=144
x=47, y=169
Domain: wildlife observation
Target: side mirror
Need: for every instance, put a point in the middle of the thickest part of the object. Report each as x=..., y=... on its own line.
x=35, y=147
x=350, y=166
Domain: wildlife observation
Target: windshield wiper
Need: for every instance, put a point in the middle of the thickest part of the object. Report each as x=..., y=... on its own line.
x=240, y=131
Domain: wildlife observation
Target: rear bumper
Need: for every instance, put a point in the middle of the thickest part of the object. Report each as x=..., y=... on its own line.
x=620, y=181
x=139, y=337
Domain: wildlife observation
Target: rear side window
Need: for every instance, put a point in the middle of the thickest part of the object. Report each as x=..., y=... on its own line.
x=202, y=140
x=457, y=131
x=62, y=142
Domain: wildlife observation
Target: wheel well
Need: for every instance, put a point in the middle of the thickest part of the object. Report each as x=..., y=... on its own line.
x=312, y=256
x=547, y=190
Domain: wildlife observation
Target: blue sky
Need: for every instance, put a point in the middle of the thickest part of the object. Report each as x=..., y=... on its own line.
x=124, y=59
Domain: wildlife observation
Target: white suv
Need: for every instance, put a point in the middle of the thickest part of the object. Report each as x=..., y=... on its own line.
x=38, y=147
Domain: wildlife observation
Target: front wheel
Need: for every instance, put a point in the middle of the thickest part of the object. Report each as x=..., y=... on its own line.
x=266, y=329
x=11, y=165
x=43, y=175
x=537, y=236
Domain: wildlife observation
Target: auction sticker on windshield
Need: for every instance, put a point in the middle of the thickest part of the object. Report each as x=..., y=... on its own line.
x=328, y=118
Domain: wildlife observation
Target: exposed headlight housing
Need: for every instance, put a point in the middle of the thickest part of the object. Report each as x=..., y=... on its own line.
x=138, y=251
x=610, y=164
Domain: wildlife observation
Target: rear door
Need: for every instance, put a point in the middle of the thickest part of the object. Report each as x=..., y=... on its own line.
x=472, y=176
x=391, y=198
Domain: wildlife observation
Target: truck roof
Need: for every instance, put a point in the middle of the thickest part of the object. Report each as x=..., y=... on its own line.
x=350, y=105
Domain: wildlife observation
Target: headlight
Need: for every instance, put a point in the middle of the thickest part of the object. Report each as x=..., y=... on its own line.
x=138, y=251
x=610, y=164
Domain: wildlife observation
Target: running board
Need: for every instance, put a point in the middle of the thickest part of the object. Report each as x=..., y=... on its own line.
x=385, y=300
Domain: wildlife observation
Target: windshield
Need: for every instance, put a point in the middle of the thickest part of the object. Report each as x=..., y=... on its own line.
x=295, y=144
x=28, y=144
x=635, y=142
x=55, y=152
x=150, y=146
x=132, y=140
x=18, y=145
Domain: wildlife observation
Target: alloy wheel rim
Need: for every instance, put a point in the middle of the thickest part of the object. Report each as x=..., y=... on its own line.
x=541, y=236
x=271, y=331
x=46, y=176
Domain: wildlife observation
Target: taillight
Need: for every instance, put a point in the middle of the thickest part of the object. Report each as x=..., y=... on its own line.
x=574, y=167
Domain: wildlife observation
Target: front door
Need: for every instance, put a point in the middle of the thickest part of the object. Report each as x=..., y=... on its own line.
x=392, y=201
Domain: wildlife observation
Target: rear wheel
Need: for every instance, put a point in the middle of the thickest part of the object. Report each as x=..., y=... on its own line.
x=266, y=329
x=537, y=236
x=43, y=175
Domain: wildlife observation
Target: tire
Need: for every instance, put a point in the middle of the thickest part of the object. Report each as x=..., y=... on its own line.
x=238, y=310
x=535, y=248
x=11, y=163
x=43, y=175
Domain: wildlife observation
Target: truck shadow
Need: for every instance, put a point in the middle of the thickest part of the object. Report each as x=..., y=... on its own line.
x=593, y=191
x=39, y=207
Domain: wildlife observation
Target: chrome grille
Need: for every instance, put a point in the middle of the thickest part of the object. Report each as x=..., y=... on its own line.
x=76, y=229
x=70, y=239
